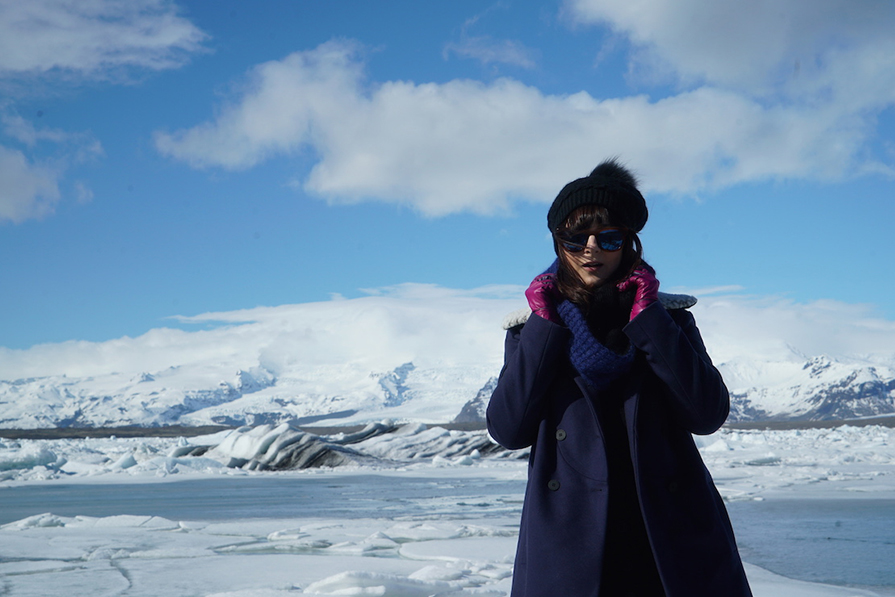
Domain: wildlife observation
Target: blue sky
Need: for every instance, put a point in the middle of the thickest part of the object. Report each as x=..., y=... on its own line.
x=162, y=159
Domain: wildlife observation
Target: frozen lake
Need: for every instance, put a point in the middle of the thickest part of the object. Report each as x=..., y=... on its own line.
x=272, y=496
x=838, y=541
x=420, y=512
x=834, y=541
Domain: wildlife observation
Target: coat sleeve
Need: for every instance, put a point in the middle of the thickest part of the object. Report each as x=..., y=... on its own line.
x=532, y=357
x=676, y=353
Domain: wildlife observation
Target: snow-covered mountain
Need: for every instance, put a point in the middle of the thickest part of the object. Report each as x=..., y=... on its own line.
x=335, y=395
x=415, y=353
x=817, y=389
x=412, y=353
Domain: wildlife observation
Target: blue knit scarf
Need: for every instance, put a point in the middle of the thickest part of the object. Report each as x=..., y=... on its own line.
x=597, y=364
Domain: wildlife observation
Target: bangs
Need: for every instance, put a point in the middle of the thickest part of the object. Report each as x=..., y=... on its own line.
x=587, y=217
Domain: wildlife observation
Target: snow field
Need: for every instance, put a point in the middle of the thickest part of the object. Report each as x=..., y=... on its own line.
x=147, y=556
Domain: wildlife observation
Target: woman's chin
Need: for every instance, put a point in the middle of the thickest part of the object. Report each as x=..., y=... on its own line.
x=594, y=282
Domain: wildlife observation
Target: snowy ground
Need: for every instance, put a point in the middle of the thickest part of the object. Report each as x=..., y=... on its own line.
x=449, y=542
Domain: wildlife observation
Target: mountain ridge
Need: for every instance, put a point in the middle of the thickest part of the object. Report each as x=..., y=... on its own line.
x=414, y=353
x=819, y=389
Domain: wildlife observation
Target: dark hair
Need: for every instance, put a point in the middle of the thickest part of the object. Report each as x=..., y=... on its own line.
x=588, y=217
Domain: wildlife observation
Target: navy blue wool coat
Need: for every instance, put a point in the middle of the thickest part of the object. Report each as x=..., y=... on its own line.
x=671, y=392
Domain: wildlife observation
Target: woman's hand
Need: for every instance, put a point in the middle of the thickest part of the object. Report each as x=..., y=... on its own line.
x=646, y=289
x=543, y=296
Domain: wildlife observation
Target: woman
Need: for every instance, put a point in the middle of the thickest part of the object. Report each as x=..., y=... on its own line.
x=606, y=379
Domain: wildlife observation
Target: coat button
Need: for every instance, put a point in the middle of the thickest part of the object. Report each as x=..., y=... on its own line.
x=673, y=486
x=553, y=485
x=560, y=434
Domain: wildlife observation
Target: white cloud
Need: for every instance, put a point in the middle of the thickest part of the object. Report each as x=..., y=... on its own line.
x=29, y=184
x=27, y=190
x=421, y=323
x=777, y=328
x=91, y=36
x=490, y=51
x=83, y=193
x=26, y=133
x=435, y=326
x=79, y=146
x=797, y=48
x=486, y=49
x=286, y=103
x=84, y=38
x=470, y=146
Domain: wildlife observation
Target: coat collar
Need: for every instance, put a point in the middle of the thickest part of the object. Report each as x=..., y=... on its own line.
x=669, y=301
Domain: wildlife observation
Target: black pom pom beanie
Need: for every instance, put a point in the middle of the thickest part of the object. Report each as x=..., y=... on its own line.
x=610, y=185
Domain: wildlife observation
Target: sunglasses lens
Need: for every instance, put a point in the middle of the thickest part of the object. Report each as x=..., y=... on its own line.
x=611, y=240
x=574, y=242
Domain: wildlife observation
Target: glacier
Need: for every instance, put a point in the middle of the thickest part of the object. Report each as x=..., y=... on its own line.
x=414, y=353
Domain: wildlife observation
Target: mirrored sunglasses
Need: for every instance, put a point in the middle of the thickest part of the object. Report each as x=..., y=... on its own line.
x=608, y=239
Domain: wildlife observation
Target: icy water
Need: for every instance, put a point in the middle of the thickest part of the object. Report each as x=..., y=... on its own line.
x=842, y=542
x=351, y=497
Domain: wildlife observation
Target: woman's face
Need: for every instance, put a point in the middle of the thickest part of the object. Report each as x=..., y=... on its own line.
x=593, y=265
